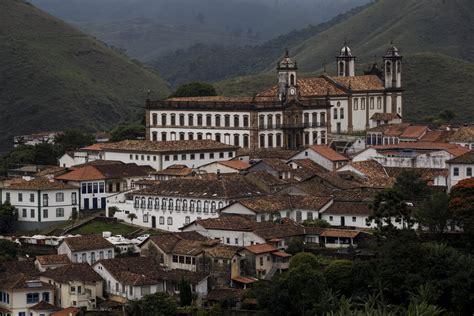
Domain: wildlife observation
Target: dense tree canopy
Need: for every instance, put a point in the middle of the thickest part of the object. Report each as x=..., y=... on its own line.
x=128, y=131
x=195, y=89
x=158, y=304
x=8, y=218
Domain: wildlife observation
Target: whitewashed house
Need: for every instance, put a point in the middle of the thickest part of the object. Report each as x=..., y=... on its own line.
x=23, y=295
x=88, y=248
x=41, y=202
x=460, y=168
x=77, y=285
x=81, y=156
x=170, y=204
x=323, y=156
x=227, y=166
x=98, y=181
x=132, y=278
x=46, y=262
x=297, y=208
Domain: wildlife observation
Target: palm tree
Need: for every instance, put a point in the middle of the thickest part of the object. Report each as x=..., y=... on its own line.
x=131, y=217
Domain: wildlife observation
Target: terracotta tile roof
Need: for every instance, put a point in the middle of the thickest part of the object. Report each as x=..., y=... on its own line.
x=328, y=153
x=175, y=170
x=235, y=164
x=463, y=134
x=168, y=241
x=22, y=281
x=384, y=116
x=467, y=158
x=44, y=306
x=349, y=208
x=435, y=136
x=374, y=174
x=414, y=131
x=360, y=83
x=427, y=174
x=309, y=165
x=274, y=163
x=274, y=203
x=283, y=228
x=227, y=187
x=73, y=272
x=453, y=149
x=390, y=129
x=265, y=178
x=93, y=147
x=106, y=171
x=168, y=146
x=283, y=154
x=97, y=162
x=281, y=254
x=70, y=311
x=139, y=271
x=87, y=242
x=329, y=232
x=261, y=248
x=356, y=194
x=217, y=98
x=53, y=259
x=244, y=279
x=43, y=184
x=222, y=251
x=25, y=267
x=337, y=180
x=53, y=170
x=238, y=223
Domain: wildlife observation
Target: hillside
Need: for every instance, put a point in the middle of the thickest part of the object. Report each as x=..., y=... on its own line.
x=433, y=83
x=149, y=28
x=416, y=26
x=54, y=77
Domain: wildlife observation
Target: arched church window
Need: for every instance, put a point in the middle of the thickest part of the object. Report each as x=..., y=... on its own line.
x=356, y=104
x=341, y=68
x=292, y=79
x=399, y=66
x=388, y=67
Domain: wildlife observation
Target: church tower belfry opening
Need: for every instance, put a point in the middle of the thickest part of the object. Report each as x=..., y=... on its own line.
x=392, y=67
x=287, y=78
x=345, y=62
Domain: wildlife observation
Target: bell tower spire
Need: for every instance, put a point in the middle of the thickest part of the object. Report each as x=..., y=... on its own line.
x=345, y=62
x=287, y=79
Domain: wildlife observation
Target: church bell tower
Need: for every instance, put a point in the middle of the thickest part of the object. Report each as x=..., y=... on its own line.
x=287, y=79
x=392, y=68
x=345, y=62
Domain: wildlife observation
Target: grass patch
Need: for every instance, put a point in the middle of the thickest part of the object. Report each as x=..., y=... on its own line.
x=97, y=227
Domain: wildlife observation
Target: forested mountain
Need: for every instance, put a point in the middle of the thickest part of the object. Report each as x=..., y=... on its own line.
x=149, y=28
x=53, y=76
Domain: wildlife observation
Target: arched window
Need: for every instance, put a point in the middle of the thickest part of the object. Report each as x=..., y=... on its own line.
x=314, y=119
x=221, y=205
x=341, y=68
x=185, y=205
x=171, y=205
x=154, y=120
x=388, y=66
x=236, y=121
x=322, y=119
x=150, y=203
x=399, y=66
x=163, y=119
x=137, y=202
x=315, y=138
x=192, y=206
x=218, y=120
x=199, y=136
x=143, y=203
x=292, y=79
x=181, y=136
x=198, y=206
x=206, y=206
x=157, y=203
x=213, y=207
x=190, y=135
x=187, y=220
x=178, y=205
x=163, y=204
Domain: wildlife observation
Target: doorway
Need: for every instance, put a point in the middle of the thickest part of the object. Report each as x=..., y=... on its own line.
x=343, y=221
x=153, y=222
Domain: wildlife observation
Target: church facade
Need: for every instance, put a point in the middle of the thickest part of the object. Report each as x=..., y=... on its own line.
x=295, y=113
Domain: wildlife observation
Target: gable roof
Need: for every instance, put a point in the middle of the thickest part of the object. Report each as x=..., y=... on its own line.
x=44, y=306
x=235, y=164
x=385, y=116
x=22, y=281
x=467, y=158
x=274, y=203
x=349, y=208
x=106, y=171
x=274, y=163
x=414, y=131
x=463, y=134
x=175, y=170
x=40, y=183
x=261, y=248
x=53, y=259
x=328, y=153
x=73, y=272
x=359, y=83
x=87, y=242
x=167, y=146
x=453, y=149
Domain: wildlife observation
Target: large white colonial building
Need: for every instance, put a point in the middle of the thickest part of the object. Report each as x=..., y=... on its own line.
x=294, y=113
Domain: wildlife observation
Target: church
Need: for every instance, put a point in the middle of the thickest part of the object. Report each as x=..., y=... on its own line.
x=295, y=113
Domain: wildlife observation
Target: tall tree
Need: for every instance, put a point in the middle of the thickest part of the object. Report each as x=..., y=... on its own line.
x=434, y=213
x=185, y=294
x=157, y=304
x=388, y=207
x=8, y=218
x=411, y=186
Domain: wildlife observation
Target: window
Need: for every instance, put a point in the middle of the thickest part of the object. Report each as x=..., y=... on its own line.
x=181, y=119
x=150, y=203
x=192, y=206
x=354, y=219
x=74, y=198
x=379, y=103
x=262, y=140
x=261, y=261
x=278, y=121
x=278, y=140
x=309, y=216
x=218, y=120
x=199, y=120
x=190, y=136
x=20, y=197
x=175, y=157
x=198, y=206
x=335, y=114
x=206, y=206
x=171, y=205
x=190, y=120
x=246, y=141
x=167, y=158
x=154, y=119
x=101, y=256
x=201, y=156
x=163, y=138
x=173, y=119
x=227, y=120
x=154, y=138
x=208, y=120
x=236, y=140
x=236, y=121
x=163, y=204
x=185, y=205
x=136, y=204
x=187, y=220
x=456, y=171
x=45, y=213
x=24, y=212
x=330, y=218
x=299, y=217
x=270, y=140
x=145, y=290
x=221, y=155
x=32, y=213
x=469, y=172
x=32, y=298
x=371, y=103
x=388, y=66
x=142, y=202
x=162, y=220
x=246, y=121
x=59, y=197
x=213, y=207
x=322, y=119
x=157, y=204
x=362, y=104
x=92, y=261
x=181, y=136
x=45, y=200
x=59, y=212
x=96, y=188
x=356, y=104
x=218, y=137
x=175, y=258
x=306, y=138
x=342, y=113
x=163, y=119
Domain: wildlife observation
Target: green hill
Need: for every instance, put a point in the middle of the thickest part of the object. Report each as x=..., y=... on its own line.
x=433, y=83
x=54, y=77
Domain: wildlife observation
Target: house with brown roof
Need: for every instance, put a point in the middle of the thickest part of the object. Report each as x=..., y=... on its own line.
x=99, y=181
x=81, y=156
x=169, y=205
x=225, y=166
x=173, y=171
x=87, y=248
x=293, y=113
x=77, y=285
x=21, y=294
x=47, y=262
x=260, y=261
x=269, y=208
x=274, y=166
x=41, y=202
x=380, y=118
x=133, y=277
x=305, y=168
x=463, y=136
x=460, y=168
x=266, y=182
x=373, y=173
x=323, y=156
